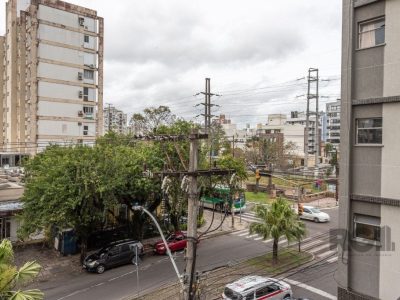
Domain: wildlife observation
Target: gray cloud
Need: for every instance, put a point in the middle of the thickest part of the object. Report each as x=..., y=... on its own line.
x=158, y=52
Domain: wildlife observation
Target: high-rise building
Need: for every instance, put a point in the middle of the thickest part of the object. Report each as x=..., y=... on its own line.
x=333, y=123
x=369, y=203
x=115, y=120
x=53, y=89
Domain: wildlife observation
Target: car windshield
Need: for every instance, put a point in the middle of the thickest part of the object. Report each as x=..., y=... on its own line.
x=315, y=210
x=232, y=294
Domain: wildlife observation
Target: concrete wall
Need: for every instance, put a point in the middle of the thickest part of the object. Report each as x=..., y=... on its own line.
x=390, y=151
x=63, y=128
x=69, y=110
x=67, y=55
x=59, y=72
x=2, y=90
x=58, y=16
x=59, y=91
x=389, y=276
x=366, y=159
x=392, y=48
x=368, y=63
x=60, y=35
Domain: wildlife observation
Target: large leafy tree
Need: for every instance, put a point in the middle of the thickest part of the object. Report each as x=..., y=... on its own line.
x=151, y=119
x=12, y=278
x=278, y=220
x=76, y=187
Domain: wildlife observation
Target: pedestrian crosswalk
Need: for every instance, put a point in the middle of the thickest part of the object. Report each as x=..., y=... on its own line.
x=320, y=247
x=248, y=217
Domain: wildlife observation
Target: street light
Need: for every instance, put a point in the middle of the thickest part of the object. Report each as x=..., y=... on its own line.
x=141, y=208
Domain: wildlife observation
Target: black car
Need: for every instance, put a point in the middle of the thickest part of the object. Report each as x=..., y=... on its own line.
x=115, y=254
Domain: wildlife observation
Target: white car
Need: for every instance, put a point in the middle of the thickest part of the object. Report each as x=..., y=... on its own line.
x=314, y=214
x=257, y=287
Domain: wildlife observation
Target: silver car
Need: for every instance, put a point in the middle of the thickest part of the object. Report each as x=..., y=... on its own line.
x=257, y=287
x=314, y=214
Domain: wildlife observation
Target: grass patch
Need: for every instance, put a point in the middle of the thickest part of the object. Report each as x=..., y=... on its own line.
x=259, y=198
x=287, y=258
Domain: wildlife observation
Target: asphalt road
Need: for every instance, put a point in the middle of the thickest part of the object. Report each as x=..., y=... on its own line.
x=154, y=271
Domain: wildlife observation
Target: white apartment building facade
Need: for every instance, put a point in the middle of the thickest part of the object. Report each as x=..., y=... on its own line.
x=115, y=120
x=52, y=76
x=333, y=123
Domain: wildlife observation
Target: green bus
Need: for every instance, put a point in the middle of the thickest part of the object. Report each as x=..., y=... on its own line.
x=220, y=198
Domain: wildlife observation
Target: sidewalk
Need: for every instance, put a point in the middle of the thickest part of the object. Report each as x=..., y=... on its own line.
x=323, y=203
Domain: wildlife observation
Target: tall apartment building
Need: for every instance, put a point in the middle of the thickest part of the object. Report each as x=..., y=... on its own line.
x=115, y=120
x=333, y=123
x=299, y=118
x=53, y=75
x=369, y=254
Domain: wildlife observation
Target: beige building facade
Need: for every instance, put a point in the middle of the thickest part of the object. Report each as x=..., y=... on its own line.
x=52, y=83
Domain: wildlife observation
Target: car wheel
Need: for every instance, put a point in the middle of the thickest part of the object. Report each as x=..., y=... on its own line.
x=100, y=269
x=287, y=297
x=316, y=220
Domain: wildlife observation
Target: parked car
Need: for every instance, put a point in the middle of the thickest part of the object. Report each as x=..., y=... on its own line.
x=257, y=287
x=176, y=242
x=314, y=214
x=115, y=254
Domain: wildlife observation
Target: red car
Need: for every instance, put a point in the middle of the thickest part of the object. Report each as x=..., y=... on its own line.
x=176, y=241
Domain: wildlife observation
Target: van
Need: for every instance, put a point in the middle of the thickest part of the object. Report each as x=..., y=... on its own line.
x=115, y=254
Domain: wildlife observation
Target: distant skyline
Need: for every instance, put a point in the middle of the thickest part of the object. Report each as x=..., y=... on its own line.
x=159, y=53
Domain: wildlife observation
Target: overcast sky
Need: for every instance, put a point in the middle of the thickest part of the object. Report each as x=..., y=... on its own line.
x=159, y=52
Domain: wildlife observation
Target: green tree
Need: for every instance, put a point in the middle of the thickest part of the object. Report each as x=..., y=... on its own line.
x=151, y=119
x=278, y=220
x=12, y=279
x=76, y=187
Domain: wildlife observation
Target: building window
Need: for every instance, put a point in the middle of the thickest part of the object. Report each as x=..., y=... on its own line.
x=85, y=130
x=371, y=33
x=64, y=128
x=86, y=38
x=86, y=93
x=369, y=131
x=367, y=228
x=88, y=74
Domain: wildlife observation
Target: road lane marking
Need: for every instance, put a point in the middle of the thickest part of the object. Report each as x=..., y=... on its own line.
x=333, y=259
x=311, y=289
x=307, y=244
x=327, y=253
x=267, y=241
x=243, y=234
x=319, y=248
x=251, y=236
x=240, y=231
x=259, y=238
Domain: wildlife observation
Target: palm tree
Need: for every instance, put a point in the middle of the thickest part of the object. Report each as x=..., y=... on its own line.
x=11, y=277
x=278, y=220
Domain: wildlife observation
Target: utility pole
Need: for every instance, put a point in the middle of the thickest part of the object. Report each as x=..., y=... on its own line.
x=207, y=112
x=192, y=216
x=312, y=79
x=317, y=143
x=109, y=116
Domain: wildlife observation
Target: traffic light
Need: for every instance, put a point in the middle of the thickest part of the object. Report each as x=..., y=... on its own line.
x=300, y=209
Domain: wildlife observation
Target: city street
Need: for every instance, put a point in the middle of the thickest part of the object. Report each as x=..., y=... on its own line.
x=119, y=283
